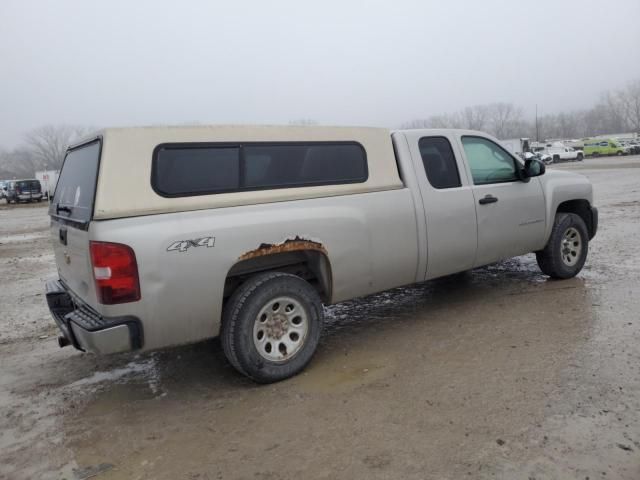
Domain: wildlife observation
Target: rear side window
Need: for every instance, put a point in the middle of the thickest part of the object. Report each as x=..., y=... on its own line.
x=198, y=169
x=76, y=186
x=439, y=162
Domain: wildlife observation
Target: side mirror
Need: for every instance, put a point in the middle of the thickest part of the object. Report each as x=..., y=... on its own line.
x=533, y=168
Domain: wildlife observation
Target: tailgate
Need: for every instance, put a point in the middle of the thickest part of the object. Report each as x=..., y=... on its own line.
x=71, y=251
x=71, y=211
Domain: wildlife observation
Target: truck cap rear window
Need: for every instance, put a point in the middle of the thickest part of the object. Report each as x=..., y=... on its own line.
x=199, y=169
x=76, y=188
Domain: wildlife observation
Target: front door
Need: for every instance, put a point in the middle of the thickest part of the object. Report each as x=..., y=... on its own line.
x=510, y=212
x=448, y=204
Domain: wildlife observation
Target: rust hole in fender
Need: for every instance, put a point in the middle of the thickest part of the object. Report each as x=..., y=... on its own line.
x=289, y=245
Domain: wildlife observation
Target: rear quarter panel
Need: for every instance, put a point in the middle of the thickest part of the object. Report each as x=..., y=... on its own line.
x=370, y=239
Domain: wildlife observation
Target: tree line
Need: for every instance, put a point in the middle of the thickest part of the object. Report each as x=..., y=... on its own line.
x=617, y=111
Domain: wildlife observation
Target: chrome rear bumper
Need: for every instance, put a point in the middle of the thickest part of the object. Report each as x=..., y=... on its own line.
x=87, y=330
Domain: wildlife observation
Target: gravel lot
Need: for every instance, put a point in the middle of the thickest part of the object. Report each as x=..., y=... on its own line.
x=497, y=373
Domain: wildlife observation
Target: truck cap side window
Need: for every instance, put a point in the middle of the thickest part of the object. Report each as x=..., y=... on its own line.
x=439, y=162
x=200, y=169
x=197, y=170
x=489, y=163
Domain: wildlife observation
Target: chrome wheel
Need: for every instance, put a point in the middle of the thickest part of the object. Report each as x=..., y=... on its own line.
x=280, y=329
x=571, y=247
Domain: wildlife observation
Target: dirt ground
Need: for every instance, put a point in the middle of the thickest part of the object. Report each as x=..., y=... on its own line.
x=497, y=373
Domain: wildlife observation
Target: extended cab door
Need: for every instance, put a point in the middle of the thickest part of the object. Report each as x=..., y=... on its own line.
x=510, y=212
x=447, y=197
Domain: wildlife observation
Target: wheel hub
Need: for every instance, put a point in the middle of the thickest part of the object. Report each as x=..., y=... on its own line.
x=571, y=247
x=276, y=326
x=280, y=329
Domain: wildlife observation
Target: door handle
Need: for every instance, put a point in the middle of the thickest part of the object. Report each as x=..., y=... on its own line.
x=488, y=199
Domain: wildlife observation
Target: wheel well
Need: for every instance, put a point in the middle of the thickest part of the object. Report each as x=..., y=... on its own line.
x=310, y=265
x=580, y=208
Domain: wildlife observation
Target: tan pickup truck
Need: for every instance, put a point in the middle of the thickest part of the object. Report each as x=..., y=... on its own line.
x=170, y=235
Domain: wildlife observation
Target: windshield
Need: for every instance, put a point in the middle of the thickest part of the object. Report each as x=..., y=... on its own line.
x=76, y=186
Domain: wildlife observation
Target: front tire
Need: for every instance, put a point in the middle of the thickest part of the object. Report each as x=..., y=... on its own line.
x=271, y=326
x=566, y=251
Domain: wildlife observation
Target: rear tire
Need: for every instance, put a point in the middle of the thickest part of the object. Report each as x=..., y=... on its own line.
x=556, y=159
x=271, y=326
x=580, y=157
x=566, y=251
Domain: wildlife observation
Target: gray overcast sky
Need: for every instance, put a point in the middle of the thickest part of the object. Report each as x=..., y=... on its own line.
x=339, y=62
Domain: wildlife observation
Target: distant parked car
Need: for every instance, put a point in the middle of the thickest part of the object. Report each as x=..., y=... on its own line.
x=539, y=155
x=3, y=190
x=564, y=153
x=634, y=147
x=597, y=147
x=28, y=190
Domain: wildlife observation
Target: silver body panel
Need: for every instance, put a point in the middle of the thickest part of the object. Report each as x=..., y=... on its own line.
x=370, y=240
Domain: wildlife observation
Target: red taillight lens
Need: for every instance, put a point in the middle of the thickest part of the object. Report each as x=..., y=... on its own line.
x=116, y=273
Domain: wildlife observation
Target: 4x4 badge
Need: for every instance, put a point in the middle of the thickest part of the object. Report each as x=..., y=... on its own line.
x=184, y=245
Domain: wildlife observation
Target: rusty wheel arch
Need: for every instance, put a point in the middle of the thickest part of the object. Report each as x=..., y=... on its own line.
x=300, y=256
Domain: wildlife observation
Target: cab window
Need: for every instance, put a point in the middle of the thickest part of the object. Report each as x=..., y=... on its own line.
x=439, y=162
x=489, y=163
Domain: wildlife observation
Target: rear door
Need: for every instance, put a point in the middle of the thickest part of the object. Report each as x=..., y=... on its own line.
x=510, y=212
x=448, y=202
x=27, y=189
x=71, y=211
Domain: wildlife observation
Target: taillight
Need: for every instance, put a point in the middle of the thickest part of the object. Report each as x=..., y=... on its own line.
x=115, y=272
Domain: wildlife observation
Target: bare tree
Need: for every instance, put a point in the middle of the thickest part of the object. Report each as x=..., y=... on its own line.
x=49, y=143
x=502, y=117
x=17, y=163
x=614, y=122
x=629, y=102
x=475, y=118
x=447, y=120
x=416, y=123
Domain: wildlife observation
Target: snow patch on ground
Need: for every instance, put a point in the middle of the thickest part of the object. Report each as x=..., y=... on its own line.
x=147, y=368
